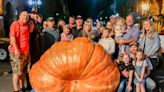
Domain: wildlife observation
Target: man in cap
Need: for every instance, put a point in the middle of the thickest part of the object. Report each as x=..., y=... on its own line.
x=50, y=34
x=113, y=19
x=77, y=31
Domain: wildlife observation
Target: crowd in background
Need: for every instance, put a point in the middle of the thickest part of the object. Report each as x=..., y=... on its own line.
x=133, y=48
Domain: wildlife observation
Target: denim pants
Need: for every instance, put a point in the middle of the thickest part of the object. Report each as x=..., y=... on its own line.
x=123, y=83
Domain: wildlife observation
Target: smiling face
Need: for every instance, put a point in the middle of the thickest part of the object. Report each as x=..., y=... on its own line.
x=98, y=25
x=87, y=26
x=126, y=59
x=66, y=30
x=147, y=25
x=129, y=20
x=24, y=17
x=109, y=25
x=71, y=20
x=139, y=55
x=51, y=24
x=79, y=22
x=133, y=49
x=112, y=20
x=106, y=33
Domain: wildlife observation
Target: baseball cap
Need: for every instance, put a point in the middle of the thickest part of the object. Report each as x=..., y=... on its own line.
x=113, y=16
x=34, y=11
x=79, y=17
x=50, y=19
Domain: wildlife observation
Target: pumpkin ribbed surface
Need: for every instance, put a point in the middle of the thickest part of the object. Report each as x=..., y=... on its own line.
x=76, y=66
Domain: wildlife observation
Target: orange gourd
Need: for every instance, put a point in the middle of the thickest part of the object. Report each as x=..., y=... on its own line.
x=76, y=66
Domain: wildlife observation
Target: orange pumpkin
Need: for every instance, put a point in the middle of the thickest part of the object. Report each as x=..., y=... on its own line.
x=76, y=66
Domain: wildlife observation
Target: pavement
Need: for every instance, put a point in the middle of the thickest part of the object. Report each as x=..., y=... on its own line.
x=6, y=82
x=5, y=78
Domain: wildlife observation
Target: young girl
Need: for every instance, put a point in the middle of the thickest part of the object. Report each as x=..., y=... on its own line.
x=140, y=67
x=126, y=68
x=66, y=35
x=107, y=42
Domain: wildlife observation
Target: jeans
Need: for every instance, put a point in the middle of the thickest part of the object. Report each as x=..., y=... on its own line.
x=150, y=84
x=123, y=83
x=32, y=90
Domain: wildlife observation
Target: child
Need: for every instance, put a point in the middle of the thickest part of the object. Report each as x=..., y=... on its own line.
x=119, y=30
x=126, y=68
x=107, y=42
x=140, y=67
x=66, y=35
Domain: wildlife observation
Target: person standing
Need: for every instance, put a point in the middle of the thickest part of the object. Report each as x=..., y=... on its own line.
x=77, y=30
x=132, y=34
x=50, y=35
x=107, y=42
x=19, y=49
x=35, y=41
x=71, y=24
x=149, y=43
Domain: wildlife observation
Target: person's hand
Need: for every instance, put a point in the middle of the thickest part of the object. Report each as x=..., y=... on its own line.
x=121, y=42
x=140, y=80
x=17, y=53
x=125, y=73
x=129, y=88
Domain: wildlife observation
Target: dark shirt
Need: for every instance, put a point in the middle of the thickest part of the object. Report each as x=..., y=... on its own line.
x=122, y=67
x=77, y=32
x=49, y=37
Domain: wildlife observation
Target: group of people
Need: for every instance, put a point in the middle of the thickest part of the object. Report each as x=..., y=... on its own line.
x=134, y=49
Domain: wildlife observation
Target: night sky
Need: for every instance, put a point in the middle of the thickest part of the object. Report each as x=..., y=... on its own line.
x=88, y=8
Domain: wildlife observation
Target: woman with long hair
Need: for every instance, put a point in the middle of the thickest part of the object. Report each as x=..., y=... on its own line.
x=149, y=43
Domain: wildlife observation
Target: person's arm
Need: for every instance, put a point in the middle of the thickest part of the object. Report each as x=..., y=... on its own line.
x=124, y=41
x=143, y=70
x=136, y=75
x=13, y=39
x=155, y=46
x=134, y=38
x=147, y=73
x=125, y=73
x=112, y=49
x=13, y=43
x=149, y=68
x=130, y=80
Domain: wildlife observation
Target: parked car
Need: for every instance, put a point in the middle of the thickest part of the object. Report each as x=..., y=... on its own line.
x=4, y=53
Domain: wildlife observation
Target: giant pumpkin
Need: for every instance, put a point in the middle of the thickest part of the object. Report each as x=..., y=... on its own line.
x=76, y=66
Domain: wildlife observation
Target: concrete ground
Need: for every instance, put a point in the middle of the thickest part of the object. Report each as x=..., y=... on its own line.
x=5, y=81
